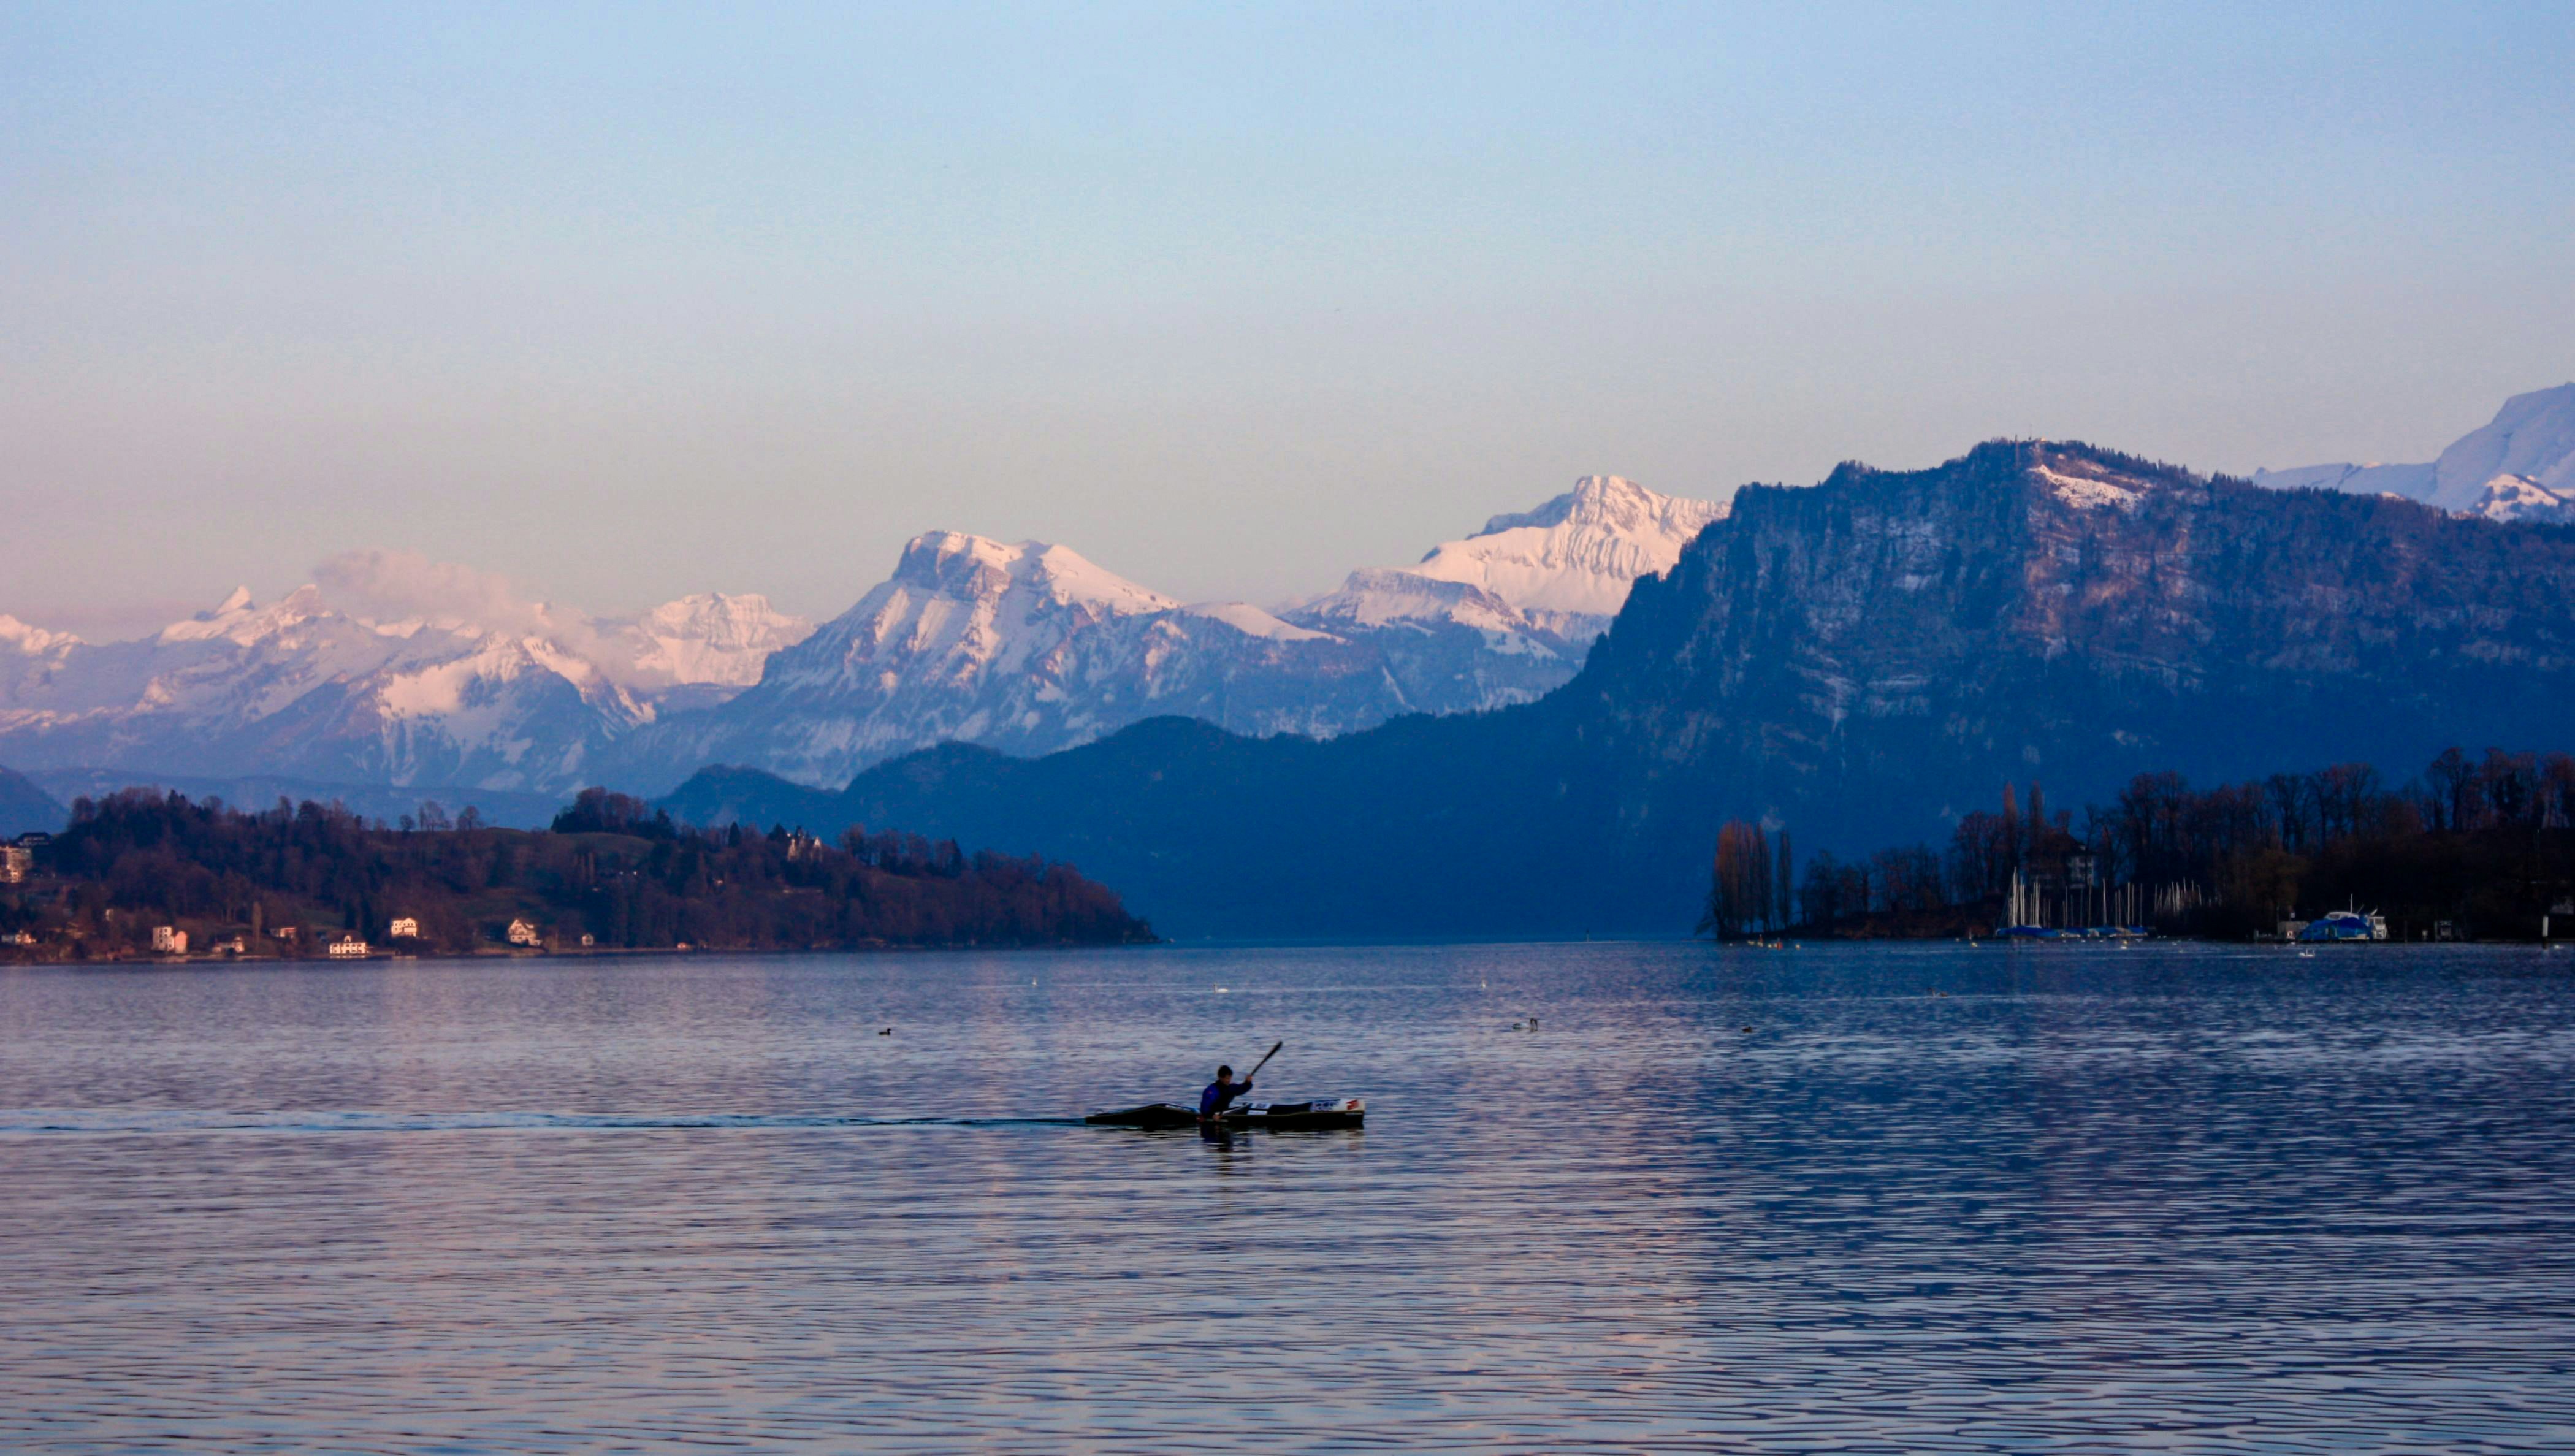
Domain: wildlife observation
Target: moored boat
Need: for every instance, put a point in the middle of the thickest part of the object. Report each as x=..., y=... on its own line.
x=2353, y=925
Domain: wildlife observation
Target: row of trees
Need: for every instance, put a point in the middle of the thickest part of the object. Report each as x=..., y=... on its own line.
x=2485, y=843
x=611, y=869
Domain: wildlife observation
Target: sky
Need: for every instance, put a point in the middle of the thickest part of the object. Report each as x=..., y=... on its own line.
x=627, y=302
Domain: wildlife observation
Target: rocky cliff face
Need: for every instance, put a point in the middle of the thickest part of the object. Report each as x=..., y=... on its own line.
x=1887, y=648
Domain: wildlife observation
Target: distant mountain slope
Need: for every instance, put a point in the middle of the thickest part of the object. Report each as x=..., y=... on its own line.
x=1859, y=661
x=24, y=806
x=2519, y=466
x=1029, y=647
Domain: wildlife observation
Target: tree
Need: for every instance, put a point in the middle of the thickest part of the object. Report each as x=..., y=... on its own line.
x=1739, y=892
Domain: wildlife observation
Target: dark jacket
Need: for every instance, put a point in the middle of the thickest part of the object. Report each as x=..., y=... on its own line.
x=1213, y=1100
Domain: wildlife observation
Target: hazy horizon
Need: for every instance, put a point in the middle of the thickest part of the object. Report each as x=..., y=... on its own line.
x=623, y=304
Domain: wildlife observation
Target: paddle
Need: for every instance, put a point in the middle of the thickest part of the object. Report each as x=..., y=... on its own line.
x=1264, y=1061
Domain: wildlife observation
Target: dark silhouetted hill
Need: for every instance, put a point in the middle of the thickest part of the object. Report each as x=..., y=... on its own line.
x=24, y=806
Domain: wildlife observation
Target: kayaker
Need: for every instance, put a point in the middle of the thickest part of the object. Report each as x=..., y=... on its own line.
x=1224, y=1090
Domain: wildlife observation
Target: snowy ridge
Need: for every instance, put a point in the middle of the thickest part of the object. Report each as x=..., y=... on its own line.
x=2489, y=472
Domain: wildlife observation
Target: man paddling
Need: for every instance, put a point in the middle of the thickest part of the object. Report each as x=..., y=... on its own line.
x=1224, y=1090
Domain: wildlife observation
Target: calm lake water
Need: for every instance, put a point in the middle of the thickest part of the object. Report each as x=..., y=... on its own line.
x=2188, y=1198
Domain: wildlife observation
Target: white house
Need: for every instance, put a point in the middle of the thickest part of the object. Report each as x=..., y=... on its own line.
x=168, y=941
x=522, y=933
x=404, y=927
x=348, y=949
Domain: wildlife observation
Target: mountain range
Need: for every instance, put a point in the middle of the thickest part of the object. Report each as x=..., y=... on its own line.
x=394, y=671
x=391, y=677
x=341, y=681
x=1031, y=649
x=1857, y=661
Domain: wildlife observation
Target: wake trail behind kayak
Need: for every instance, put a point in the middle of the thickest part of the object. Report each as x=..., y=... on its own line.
x=31, y=1123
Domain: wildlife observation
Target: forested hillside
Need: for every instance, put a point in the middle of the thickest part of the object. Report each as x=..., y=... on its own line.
x=2484, y=845
x=610, y=868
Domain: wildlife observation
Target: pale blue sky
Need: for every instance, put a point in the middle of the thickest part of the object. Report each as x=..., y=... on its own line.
x=629, y=302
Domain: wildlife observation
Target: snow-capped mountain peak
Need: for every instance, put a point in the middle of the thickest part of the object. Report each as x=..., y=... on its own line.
x=1614, y=502
x=241, y=620
x=2532, y=436
x=34, y=640
x=1568, y=565
x=711, y=639
x=969, y=603
x=2530, y=440
x=956, y=563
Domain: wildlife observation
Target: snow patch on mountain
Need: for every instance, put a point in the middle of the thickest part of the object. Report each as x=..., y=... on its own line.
x=2519, y=498
x=2091, y=492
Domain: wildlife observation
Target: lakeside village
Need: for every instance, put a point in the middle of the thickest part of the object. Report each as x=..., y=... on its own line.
x=2471, y=849
x=144, y=875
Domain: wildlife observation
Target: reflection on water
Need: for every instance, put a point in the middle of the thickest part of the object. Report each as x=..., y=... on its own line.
x=2183, y=1197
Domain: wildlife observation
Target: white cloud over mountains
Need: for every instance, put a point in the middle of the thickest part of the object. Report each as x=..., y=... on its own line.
x=380, y=584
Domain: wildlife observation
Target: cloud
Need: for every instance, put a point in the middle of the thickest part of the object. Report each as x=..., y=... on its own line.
x=395, y=586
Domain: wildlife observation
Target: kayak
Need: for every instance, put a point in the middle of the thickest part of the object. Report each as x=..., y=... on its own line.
x=1278, y=1116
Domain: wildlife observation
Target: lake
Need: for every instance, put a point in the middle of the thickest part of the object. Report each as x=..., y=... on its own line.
x=1902, y=1198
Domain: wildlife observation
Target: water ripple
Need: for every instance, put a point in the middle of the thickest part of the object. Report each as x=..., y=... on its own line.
x=2184, y=1198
